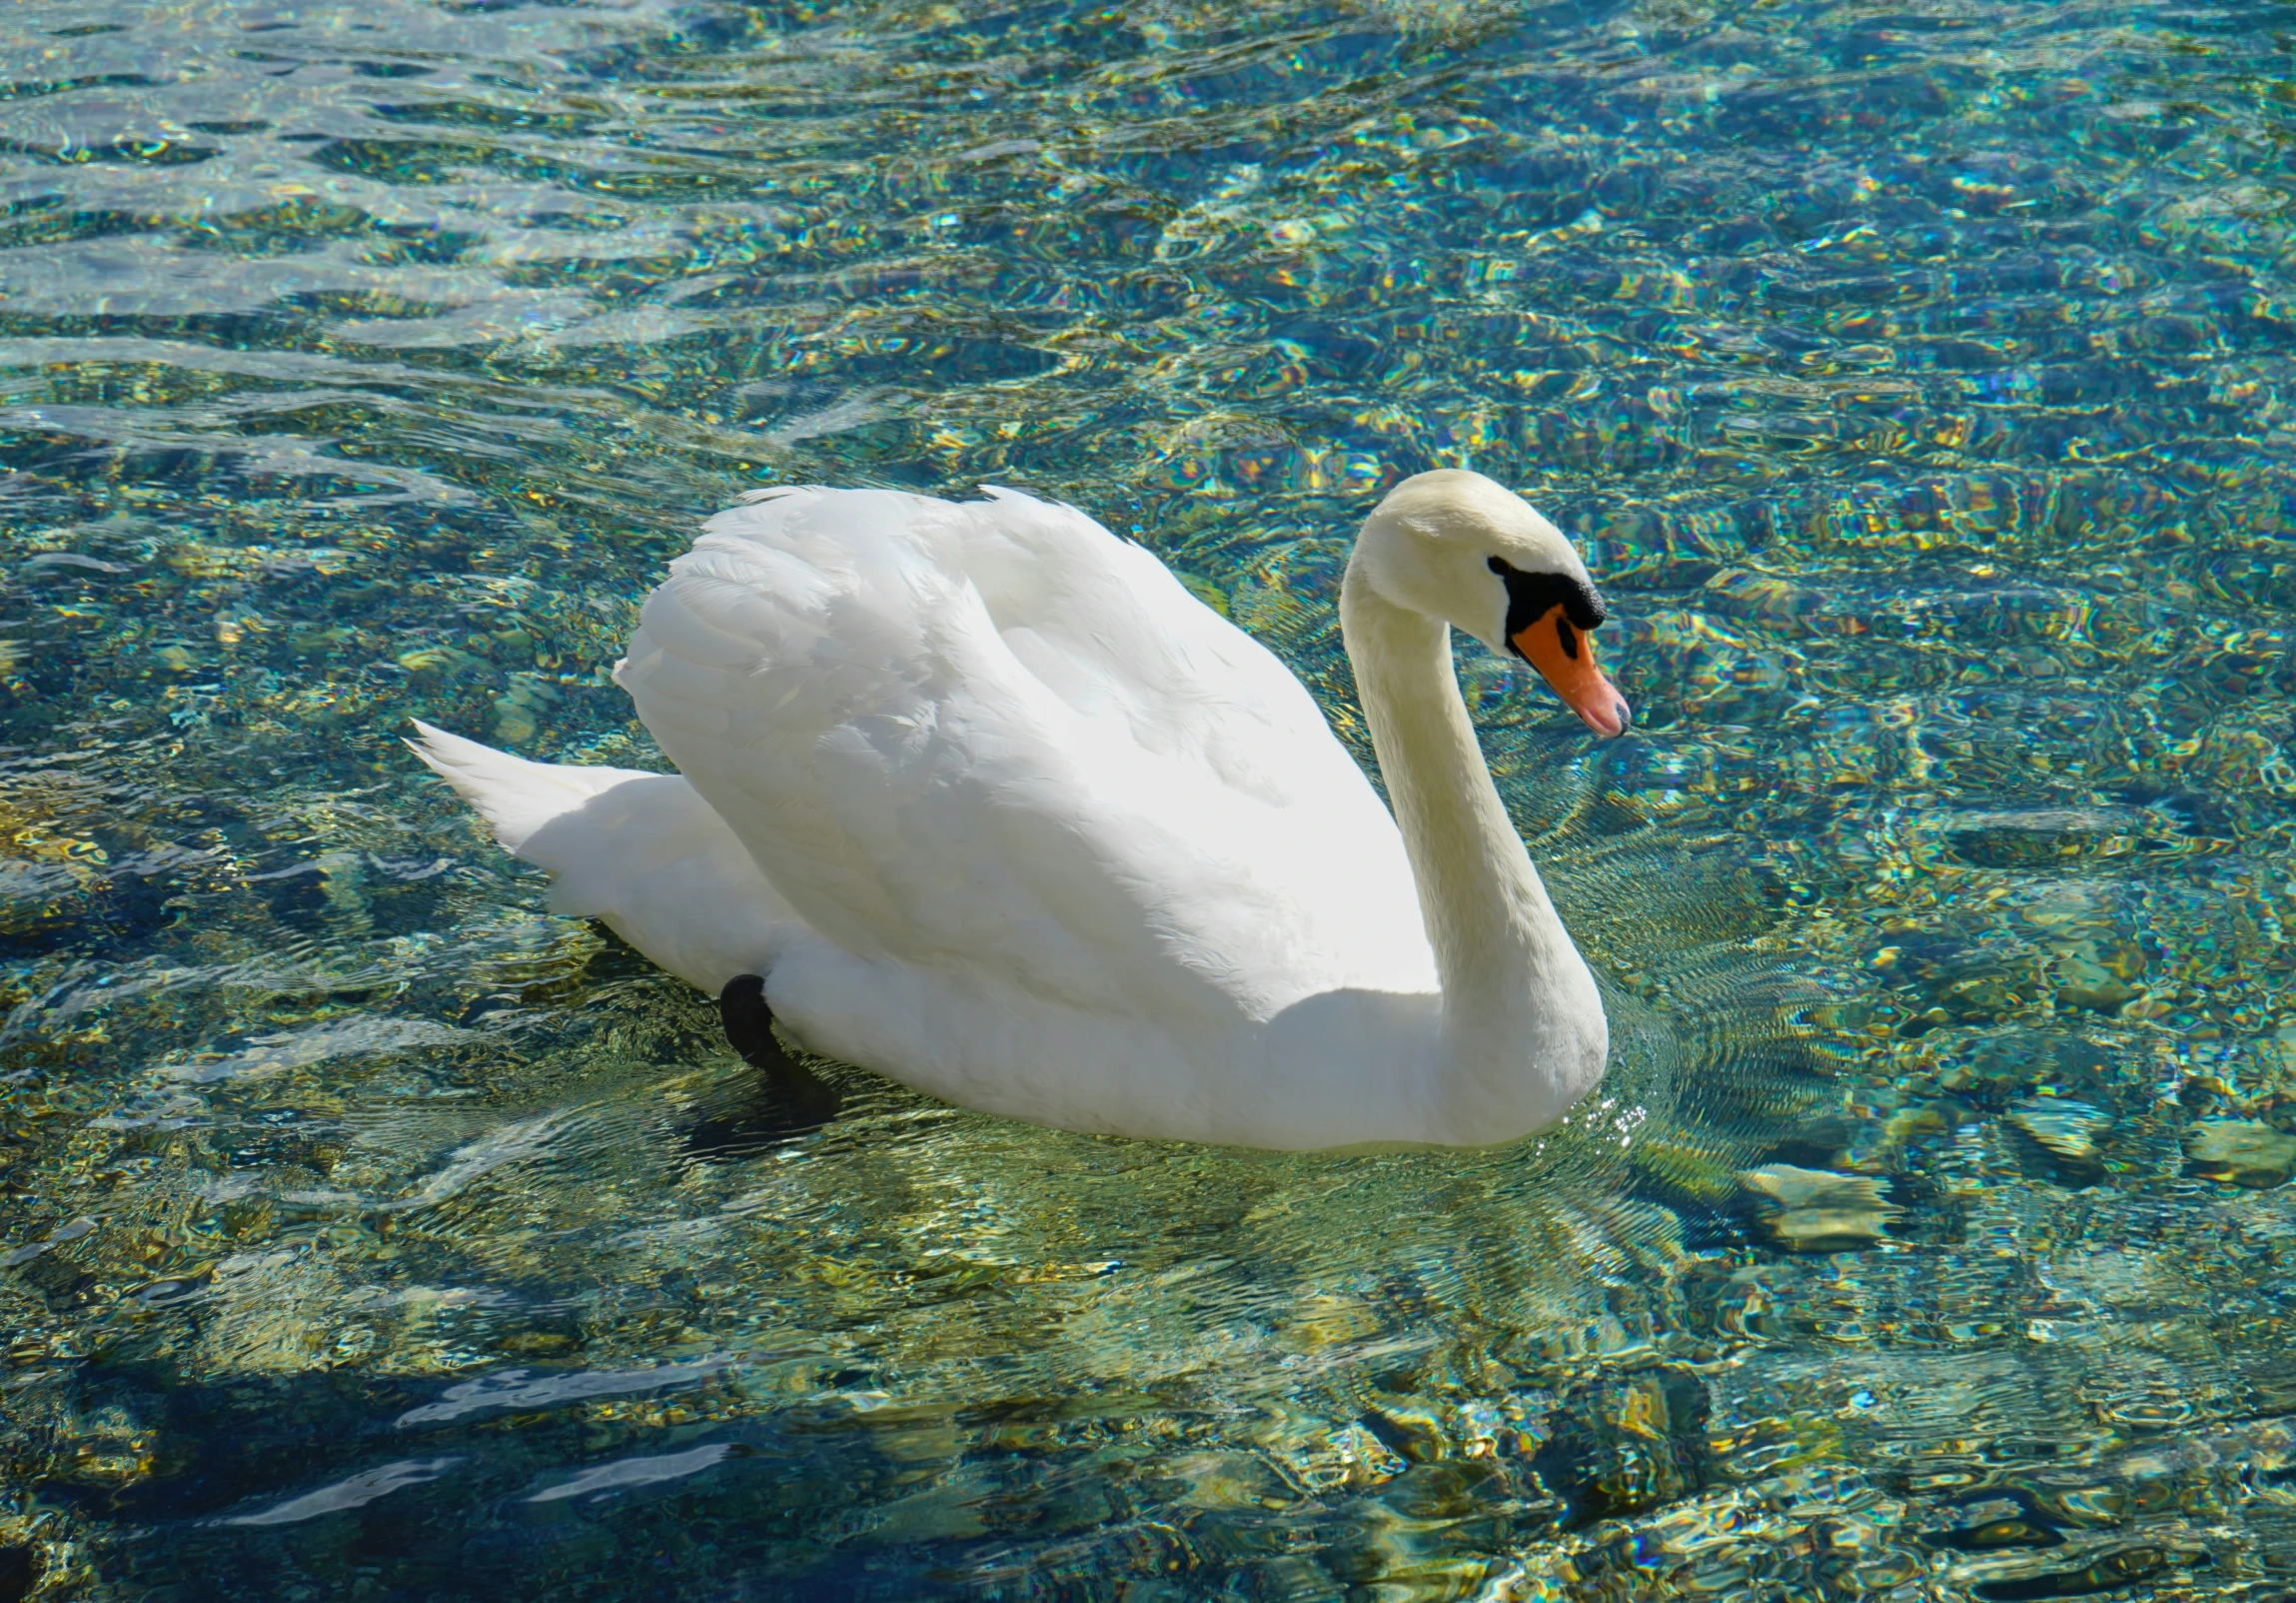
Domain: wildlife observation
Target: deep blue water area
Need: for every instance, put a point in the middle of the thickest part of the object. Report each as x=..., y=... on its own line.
x=1918, y=379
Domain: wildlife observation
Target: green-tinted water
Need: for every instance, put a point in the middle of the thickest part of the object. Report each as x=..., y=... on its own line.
x=1918, y=378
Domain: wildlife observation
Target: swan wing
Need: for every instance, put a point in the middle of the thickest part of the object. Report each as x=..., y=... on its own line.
x=990, y=737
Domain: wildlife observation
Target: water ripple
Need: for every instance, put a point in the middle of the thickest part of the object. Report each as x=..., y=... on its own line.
x=1917, y=382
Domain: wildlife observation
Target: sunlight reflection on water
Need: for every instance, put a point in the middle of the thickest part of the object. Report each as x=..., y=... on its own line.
x=1911, y=379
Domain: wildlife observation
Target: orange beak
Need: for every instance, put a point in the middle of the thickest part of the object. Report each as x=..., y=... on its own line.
x=1564, y=658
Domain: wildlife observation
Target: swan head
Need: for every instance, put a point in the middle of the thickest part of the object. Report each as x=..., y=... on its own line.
x=1464, y=549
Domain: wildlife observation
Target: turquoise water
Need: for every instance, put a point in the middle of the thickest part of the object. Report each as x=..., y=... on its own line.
x=1918, y=379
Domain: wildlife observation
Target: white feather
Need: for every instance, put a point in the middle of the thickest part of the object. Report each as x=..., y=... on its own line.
x=1000, y=810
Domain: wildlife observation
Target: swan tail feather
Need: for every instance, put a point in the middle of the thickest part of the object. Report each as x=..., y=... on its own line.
x=514, y=796
x=640, y=851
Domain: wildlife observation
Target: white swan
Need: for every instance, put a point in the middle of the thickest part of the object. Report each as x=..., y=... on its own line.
x=1001, y=810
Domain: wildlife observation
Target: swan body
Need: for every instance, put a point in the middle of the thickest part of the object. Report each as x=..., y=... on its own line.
x=998, y=809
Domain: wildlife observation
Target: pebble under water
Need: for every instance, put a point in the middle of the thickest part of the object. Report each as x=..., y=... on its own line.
x=1916, y=376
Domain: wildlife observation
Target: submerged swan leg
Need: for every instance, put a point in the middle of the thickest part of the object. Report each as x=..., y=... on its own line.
x=796, y=1100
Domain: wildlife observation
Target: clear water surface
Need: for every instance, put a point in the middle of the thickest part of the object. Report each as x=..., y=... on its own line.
x=1917, y=374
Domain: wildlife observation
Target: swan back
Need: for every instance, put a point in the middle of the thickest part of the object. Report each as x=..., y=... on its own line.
x=992, y=741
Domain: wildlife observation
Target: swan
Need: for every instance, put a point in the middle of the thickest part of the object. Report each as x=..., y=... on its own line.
x=978, y=796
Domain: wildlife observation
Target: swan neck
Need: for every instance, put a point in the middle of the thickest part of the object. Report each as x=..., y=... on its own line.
x=1512, y=979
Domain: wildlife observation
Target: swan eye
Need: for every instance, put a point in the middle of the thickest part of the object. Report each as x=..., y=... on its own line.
x=1531, y=597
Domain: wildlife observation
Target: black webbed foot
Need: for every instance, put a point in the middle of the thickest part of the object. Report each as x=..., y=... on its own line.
x=792, y=1100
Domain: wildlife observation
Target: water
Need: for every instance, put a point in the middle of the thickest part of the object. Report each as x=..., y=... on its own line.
x=1918, y=379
